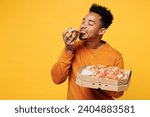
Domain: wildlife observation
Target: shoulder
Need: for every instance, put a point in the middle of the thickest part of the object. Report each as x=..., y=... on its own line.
x=112, y=50
x=116, y=55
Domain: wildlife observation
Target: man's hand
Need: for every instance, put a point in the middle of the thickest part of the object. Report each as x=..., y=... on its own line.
x=69, y=37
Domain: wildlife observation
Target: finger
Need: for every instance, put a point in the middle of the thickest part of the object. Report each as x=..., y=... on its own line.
x=67, y=30
x=69, y=43
x=72, y=29
x=74, y=36
x=71, y=40
x=68, y=35
x=67, y=38
x=64, y=32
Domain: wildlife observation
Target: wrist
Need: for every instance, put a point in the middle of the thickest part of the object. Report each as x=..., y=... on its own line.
x=69, y=51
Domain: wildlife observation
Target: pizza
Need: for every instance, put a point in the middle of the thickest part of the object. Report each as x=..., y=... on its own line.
x=109, y=72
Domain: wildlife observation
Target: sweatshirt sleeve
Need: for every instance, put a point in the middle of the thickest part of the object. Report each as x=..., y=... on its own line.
x=61, y=69
x=119, y=62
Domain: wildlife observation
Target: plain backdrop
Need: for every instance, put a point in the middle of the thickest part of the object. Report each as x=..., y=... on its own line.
x=31, y=42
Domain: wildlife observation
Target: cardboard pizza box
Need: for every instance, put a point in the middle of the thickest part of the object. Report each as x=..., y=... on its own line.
x=103, y=83
x=102, y=86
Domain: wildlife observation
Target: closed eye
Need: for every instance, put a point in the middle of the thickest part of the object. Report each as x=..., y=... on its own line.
x=91, y=22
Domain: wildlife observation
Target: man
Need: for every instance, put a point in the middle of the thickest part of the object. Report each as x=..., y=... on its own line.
x=90, y=50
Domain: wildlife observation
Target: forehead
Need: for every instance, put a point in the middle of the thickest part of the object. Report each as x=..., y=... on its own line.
x=92, y=16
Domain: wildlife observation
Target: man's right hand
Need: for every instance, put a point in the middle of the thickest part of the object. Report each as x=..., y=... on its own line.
x=69, y=37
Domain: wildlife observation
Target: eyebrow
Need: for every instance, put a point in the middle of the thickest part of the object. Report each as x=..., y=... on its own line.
x=90, y=20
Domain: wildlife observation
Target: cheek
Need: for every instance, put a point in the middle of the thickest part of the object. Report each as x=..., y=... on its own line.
x=93, y=32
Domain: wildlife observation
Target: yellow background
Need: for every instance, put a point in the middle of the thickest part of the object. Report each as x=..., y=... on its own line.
x=31, y=42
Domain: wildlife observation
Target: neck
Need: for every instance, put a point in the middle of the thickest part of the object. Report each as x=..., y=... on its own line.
x=94, y=44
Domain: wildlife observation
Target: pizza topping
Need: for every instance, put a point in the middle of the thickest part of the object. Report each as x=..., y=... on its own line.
x=109, y=72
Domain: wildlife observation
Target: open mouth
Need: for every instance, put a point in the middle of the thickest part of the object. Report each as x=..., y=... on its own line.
x=82, y=35
x=83, y=32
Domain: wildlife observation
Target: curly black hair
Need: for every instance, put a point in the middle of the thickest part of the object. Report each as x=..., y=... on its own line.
x=105, y=13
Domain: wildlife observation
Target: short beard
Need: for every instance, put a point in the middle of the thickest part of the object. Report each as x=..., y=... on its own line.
x=82, y=38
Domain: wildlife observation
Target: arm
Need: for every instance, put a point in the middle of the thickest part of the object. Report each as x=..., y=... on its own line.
x=62, y=68
x=119, y=63
x=113, y=93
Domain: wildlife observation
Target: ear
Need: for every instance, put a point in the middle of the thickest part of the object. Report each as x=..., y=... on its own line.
x=102, y=31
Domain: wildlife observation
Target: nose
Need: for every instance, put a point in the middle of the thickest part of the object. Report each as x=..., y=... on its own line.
x=83, y=25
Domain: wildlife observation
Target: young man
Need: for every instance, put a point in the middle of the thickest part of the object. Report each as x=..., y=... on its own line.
x=90, y=50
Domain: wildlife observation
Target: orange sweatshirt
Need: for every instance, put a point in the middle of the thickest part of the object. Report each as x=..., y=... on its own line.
x=69, y=64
